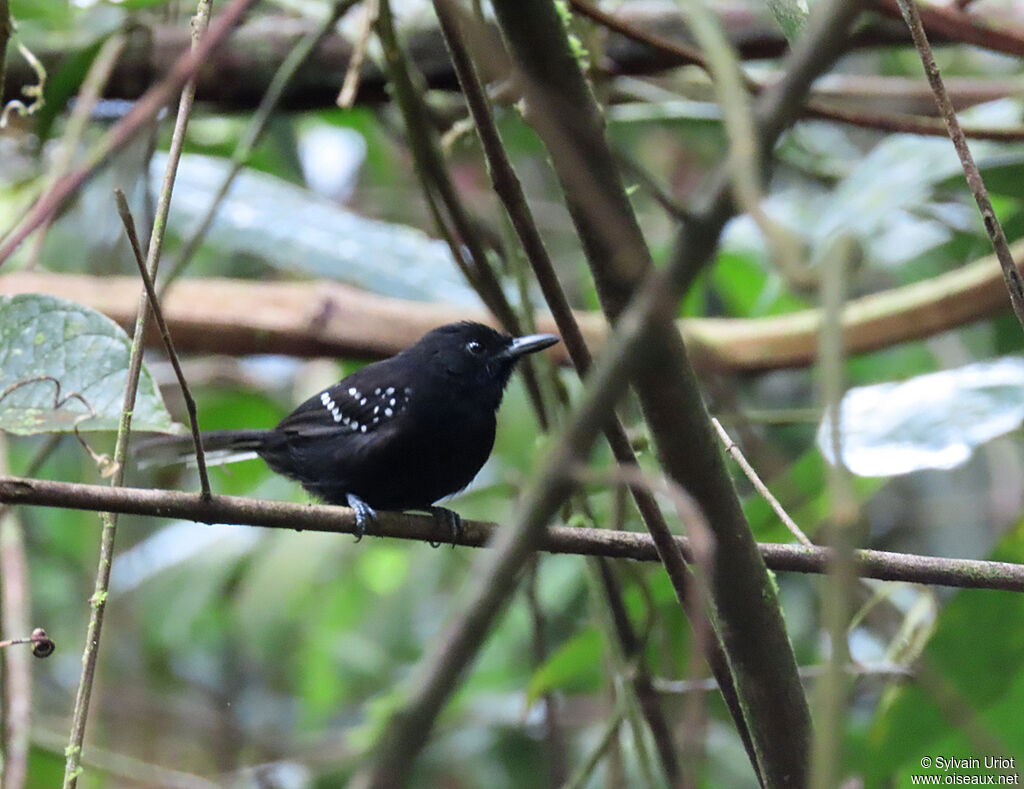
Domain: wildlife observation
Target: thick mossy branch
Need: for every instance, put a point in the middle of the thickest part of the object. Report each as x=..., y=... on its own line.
x=562, y=110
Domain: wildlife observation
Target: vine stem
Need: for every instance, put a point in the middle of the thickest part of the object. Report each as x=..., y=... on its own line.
x=73, y=754
x=1014, y=280
x=580, y=541
x=165, y=335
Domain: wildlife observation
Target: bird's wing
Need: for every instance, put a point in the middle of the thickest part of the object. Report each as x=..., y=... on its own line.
x=364, y=402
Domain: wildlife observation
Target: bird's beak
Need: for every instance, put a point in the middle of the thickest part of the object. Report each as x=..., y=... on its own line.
x=532, y=342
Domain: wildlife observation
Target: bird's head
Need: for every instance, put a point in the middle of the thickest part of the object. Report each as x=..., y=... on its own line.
x=473, y=356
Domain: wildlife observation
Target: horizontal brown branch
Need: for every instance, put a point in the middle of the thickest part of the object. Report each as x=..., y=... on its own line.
x=965, y=27
x=330, y=319
x=238, y=75
x=883, y=565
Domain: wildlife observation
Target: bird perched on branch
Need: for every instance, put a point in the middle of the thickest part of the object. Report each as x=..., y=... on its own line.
x=399, y=434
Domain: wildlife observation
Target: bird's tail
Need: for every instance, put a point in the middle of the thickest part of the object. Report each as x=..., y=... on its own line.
x=219, y=447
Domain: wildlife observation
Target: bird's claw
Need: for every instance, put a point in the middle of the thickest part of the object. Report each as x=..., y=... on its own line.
x=364, y=514
x=452, y=519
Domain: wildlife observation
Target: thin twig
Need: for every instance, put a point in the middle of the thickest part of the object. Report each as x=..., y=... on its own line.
x=1014, y=281
x=737, y=455
x=830, y=694
x=154, y=302
x=15, y=605
x=880, y=565
x=15, y=669
x=899, y=123
x=350, y=85
x=85, y=102
x=42, y=646
x=647, y=182
x=73, y=764
x=34, y=94
x=581, y=776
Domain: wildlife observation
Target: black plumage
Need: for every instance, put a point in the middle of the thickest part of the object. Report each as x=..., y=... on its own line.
x=399, y=434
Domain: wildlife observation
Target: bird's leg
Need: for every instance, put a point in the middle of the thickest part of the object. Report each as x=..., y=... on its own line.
x=364, y=514
x=452, y=519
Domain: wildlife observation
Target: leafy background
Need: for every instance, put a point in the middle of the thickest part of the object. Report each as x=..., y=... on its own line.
x=253, y=657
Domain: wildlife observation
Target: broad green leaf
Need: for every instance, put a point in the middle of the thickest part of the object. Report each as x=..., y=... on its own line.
x=55, y=14
x=887, y=199
x=791, y=16
x=968, y=700
x=64, y=366
x=1002, y=175
x=935, y=420
x=748, y=289
x=64, y=83
x=267, y=219
x=576, y=665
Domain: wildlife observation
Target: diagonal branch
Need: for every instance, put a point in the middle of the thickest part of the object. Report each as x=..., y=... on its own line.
x=165, y=335
x=563, y=112
x=1014, y=281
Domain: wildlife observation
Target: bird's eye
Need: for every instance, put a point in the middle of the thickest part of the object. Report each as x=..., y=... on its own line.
x=474, y=347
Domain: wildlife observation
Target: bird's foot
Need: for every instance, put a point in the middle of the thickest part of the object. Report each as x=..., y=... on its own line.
x=452, y=519
x=364, y=514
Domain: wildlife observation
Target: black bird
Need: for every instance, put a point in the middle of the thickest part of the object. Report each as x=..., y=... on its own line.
x=399, y=434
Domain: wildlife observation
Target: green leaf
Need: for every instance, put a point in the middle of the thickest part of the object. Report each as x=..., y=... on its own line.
x=576, y=665
x=972, y=682
x=1001, y=170
x=791, y=16
x=56, y=14
x=749, y=290
x=266, y=219
x=64, y=83
x=63, y=365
